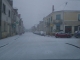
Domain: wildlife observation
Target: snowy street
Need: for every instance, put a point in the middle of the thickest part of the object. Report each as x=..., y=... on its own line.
x=31, y=46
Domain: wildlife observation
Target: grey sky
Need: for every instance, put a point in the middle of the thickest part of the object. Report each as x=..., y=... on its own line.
x=33, y=11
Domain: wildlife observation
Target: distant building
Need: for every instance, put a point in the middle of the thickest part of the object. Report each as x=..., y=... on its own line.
x=21, y=27
x=33, y=29
x=40, y=26
x=15, y=22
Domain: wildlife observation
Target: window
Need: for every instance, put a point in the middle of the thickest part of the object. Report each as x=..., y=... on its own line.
x=51, y=19
x=78, y=17
x=58, y=27
x=9, y=13
x=51, y=29
x=4, y=9
x=4, y=26
x=58, y=17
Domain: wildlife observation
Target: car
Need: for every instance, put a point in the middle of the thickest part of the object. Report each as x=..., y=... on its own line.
x=77, y=34
x=36, y=32
x=42, y=33
x=63, y=35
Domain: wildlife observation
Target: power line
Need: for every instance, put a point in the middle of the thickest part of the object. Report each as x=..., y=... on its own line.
x=62, y=5
x=65, y=5
x=59, y=6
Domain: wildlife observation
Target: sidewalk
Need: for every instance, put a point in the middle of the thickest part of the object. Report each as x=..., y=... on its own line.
x=7, y=40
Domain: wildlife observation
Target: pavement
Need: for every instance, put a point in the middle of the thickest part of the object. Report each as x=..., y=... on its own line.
x=31, y=46
x=8, y=40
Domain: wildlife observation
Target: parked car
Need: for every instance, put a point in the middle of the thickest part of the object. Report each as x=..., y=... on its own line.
x=42, y=33
x=36, y=32
x=63, y=35
x=77, y=34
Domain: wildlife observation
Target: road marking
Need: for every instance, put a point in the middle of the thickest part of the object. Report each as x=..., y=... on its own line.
x=73, y=45
x=4, y=45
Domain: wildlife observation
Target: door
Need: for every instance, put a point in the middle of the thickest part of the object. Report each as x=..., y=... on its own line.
x=68, y=29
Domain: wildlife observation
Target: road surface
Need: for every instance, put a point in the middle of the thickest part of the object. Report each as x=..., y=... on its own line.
x=31, y=46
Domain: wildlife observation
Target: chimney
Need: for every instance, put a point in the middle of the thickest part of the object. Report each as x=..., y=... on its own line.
x=53, y=8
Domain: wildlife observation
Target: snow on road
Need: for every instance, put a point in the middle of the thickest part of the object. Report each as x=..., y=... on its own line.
x=31, y=46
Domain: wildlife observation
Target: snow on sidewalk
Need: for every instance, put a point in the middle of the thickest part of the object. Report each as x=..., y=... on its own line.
x=7, y=40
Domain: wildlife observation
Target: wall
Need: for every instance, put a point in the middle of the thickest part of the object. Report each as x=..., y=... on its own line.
x=6, y=19
x=68, y=18
x=71, y=19
x=71, y=16
x=56, y=13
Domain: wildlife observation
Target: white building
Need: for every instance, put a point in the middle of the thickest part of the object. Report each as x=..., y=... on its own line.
x=6, y=17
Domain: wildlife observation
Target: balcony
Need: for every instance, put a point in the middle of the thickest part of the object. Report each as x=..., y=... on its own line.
x=49, y=24
x=57, y=21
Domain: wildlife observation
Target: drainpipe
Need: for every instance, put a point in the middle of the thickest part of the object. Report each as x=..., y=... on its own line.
x=0, y=18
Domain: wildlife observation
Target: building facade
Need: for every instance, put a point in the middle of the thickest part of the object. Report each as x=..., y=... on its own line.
x=6, y=17
x=41, y=26
x=15, y=22
x=21, y=27
x=65, y=20
x=9, y=19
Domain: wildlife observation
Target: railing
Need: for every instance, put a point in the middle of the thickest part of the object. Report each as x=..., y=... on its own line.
x=57, y=21
x=48, y=24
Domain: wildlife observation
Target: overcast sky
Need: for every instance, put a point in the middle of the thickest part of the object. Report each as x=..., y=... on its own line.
x=33, y=11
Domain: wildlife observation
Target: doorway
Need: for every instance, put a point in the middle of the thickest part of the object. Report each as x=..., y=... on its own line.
x=68, y=29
